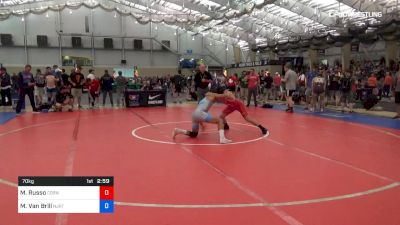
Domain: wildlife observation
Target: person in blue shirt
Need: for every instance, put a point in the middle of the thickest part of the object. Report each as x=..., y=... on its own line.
x=309, y=77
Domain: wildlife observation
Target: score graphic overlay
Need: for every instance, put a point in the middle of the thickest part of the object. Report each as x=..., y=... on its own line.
x=65, y=194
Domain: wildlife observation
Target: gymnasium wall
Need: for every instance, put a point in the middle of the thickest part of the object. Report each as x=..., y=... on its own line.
x=366, y=51
x=271, y=68
x=104, y=23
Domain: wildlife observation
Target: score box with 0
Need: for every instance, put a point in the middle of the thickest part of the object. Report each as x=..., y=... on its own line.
x=65, y=195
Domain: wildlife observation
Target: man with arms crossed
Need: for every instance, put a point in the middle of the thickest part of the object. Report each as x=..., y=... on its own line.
x=201, y=80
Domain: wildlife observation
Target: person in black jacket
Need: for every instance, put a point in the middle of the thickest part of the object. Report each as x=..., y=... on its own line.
x=106, y=83
x=26, y=84
x=5, y=87
x=201, y=81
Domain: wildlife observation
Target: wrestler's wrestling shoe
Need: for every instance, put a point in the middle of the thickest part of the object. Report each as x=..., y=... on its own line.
x=263, y=129
x=226, y=126
x=225, y=141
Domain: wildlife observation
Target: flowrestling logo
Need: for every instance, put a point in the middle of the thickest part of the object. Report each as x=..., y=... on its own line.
x=354, y=14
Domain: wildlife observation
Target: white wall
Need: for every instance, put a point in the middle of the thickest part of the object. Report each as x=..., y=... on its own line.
x=374, y=52
x=103, y=23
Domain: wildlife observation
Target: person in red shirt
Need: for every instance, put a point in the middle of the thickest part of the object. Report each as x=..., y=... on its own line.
x=232, y=81
x=277, y=85
x=253, y=80
x=94, y=91
x=237, y=105
x=372, y=81
x=387, y=84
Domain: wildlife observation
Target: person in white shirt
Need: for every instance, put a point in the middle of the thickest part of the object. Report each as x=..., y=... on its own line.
x=91, y=77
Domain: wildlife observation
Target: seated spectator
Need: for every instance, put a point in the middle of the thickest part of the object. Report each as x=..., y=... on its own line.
x=158, y=86
x=146, y=86
x=64, y=100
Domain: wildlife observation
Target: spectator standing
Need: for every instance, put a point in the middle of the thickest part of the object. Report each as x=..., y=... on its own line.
x=387, y=84
x=310, y=75
x=14, y=84
x=65, y=80
x=90, y=77
x=261, y=84
x=268, y=80
x=334, y=88
x=26, y=84
x=57, y=74
x=178, y=81
x=347, y=97
x=253, y=81
x=397, y=96
x=5, y=87
x=302, y=86
x=379, y=87
x=40, y=83
x=121, y=83
x=202, y=79
x=243, y=86
x=318, y=87
x=77, y=80
x=231, y=83
x=372, y=81
x=51, y=88
x=372, y=84
x=94, y=92
x=106, y=83
x=290, y=80
x=277, y=86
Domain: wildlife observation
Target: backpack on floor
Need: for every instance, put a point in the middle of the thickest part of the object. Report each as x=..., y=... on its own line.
x=370, y=101
x=44, y=106
x=296, y=97
x=267, y=106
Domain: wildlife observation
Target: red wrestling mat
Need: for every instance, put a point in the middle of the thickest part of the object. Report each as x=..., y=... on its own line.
x=308, y=170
